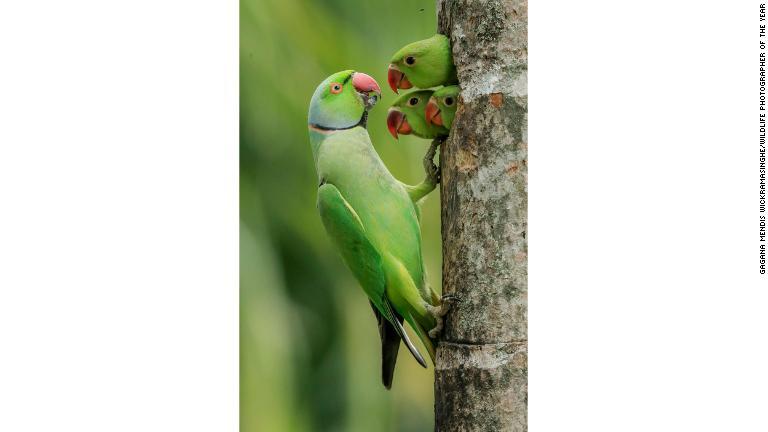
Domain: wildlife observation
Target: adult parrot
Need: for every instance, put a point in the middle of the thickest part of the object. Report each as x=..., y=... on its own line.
x=441, y=107
x=372, y=218
x=407, y=115
x=425, y=63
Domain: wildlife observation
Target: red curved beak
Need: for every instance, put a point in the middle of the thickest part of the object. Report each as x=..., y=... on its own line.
x=397, y=123
x=397, y=79
x=364, y=83
x=432, y=113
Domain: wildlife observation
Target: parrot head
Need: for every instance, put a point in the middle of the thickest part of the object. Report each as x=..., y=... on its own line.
x=441, y=107
x=426, y=63
x=407, y=116
x=343, y=100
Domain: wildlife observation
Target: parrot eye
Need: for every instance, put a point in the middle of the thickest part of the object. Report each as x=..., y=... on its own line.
x=410, y=60
x=448, y=101
x=413, y=101
x=335, y=88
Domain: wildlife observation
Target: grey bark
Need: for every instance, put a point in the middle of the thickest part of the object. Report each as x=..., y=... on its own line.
x=481, y=372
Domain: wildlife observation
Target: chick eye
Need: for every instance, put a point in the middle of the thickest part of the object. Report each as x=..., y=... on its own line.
x=448, y=101
x=335, y=88
x=410, y=60
x=413, y=101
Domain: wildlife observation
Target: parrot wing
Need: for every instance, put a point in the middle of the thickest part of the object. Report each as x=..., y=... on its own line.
x=348, y=233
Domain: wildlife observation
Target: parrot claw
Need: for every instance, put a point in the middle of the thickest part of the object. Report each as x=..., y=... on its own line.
x=438, y=328
x=432, y=170
x=450, y=298
x=438, y=312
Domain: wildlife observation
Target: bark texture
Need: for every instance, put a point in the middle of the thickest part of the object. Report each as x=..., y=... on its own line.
x=481, y=373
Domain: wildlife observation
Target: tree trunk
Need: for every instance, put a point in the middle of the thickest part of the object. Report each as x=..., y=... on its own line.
x=481, y=372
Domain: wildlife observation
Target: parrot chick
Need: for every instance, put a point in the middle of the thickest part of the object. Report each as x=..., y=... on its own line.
x=371, y=217
x=408, y=116
x=426, y=63
x=441, y=107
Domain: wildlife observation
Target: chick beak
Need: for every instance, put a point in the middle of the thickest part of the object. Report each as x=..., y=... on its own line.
x=397, y=79
x=397, y=123
x=432, y=113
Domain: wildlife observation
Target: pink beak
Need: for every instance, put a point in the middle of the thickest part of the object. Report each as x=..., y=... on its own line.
x=397, y=123
x=364, y=83
x=397, y=79
x=432, y=112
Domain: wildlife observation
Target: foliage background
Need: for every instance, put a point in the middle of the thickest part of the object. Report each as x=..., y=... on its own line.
x=310, y=355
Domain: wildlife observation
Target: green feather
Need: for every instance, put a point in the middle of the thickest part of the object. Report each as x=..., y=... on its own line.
x=413, y=105
x=447, y=99
x=432, y=62
x=372, y=220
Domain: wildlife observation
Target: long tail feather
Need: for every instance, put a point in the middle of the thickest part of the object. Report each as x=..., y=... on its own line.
x=390, y=345
x=404, y=336
x=425, y=339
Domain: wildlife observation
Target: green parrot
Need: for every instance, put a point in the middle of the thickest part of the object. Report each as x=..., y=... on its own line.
x=442, y=106
x=408, y=116
x=371, y=217
x=426, y=63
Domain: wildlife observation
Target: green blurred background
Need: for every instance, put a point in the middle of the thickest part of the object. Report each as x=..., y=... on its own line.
x=309, y=347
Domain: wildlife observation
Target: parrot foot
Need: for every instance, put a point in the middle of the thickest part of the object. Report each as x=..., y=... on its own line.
x=438, y=312
x=432, y=170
